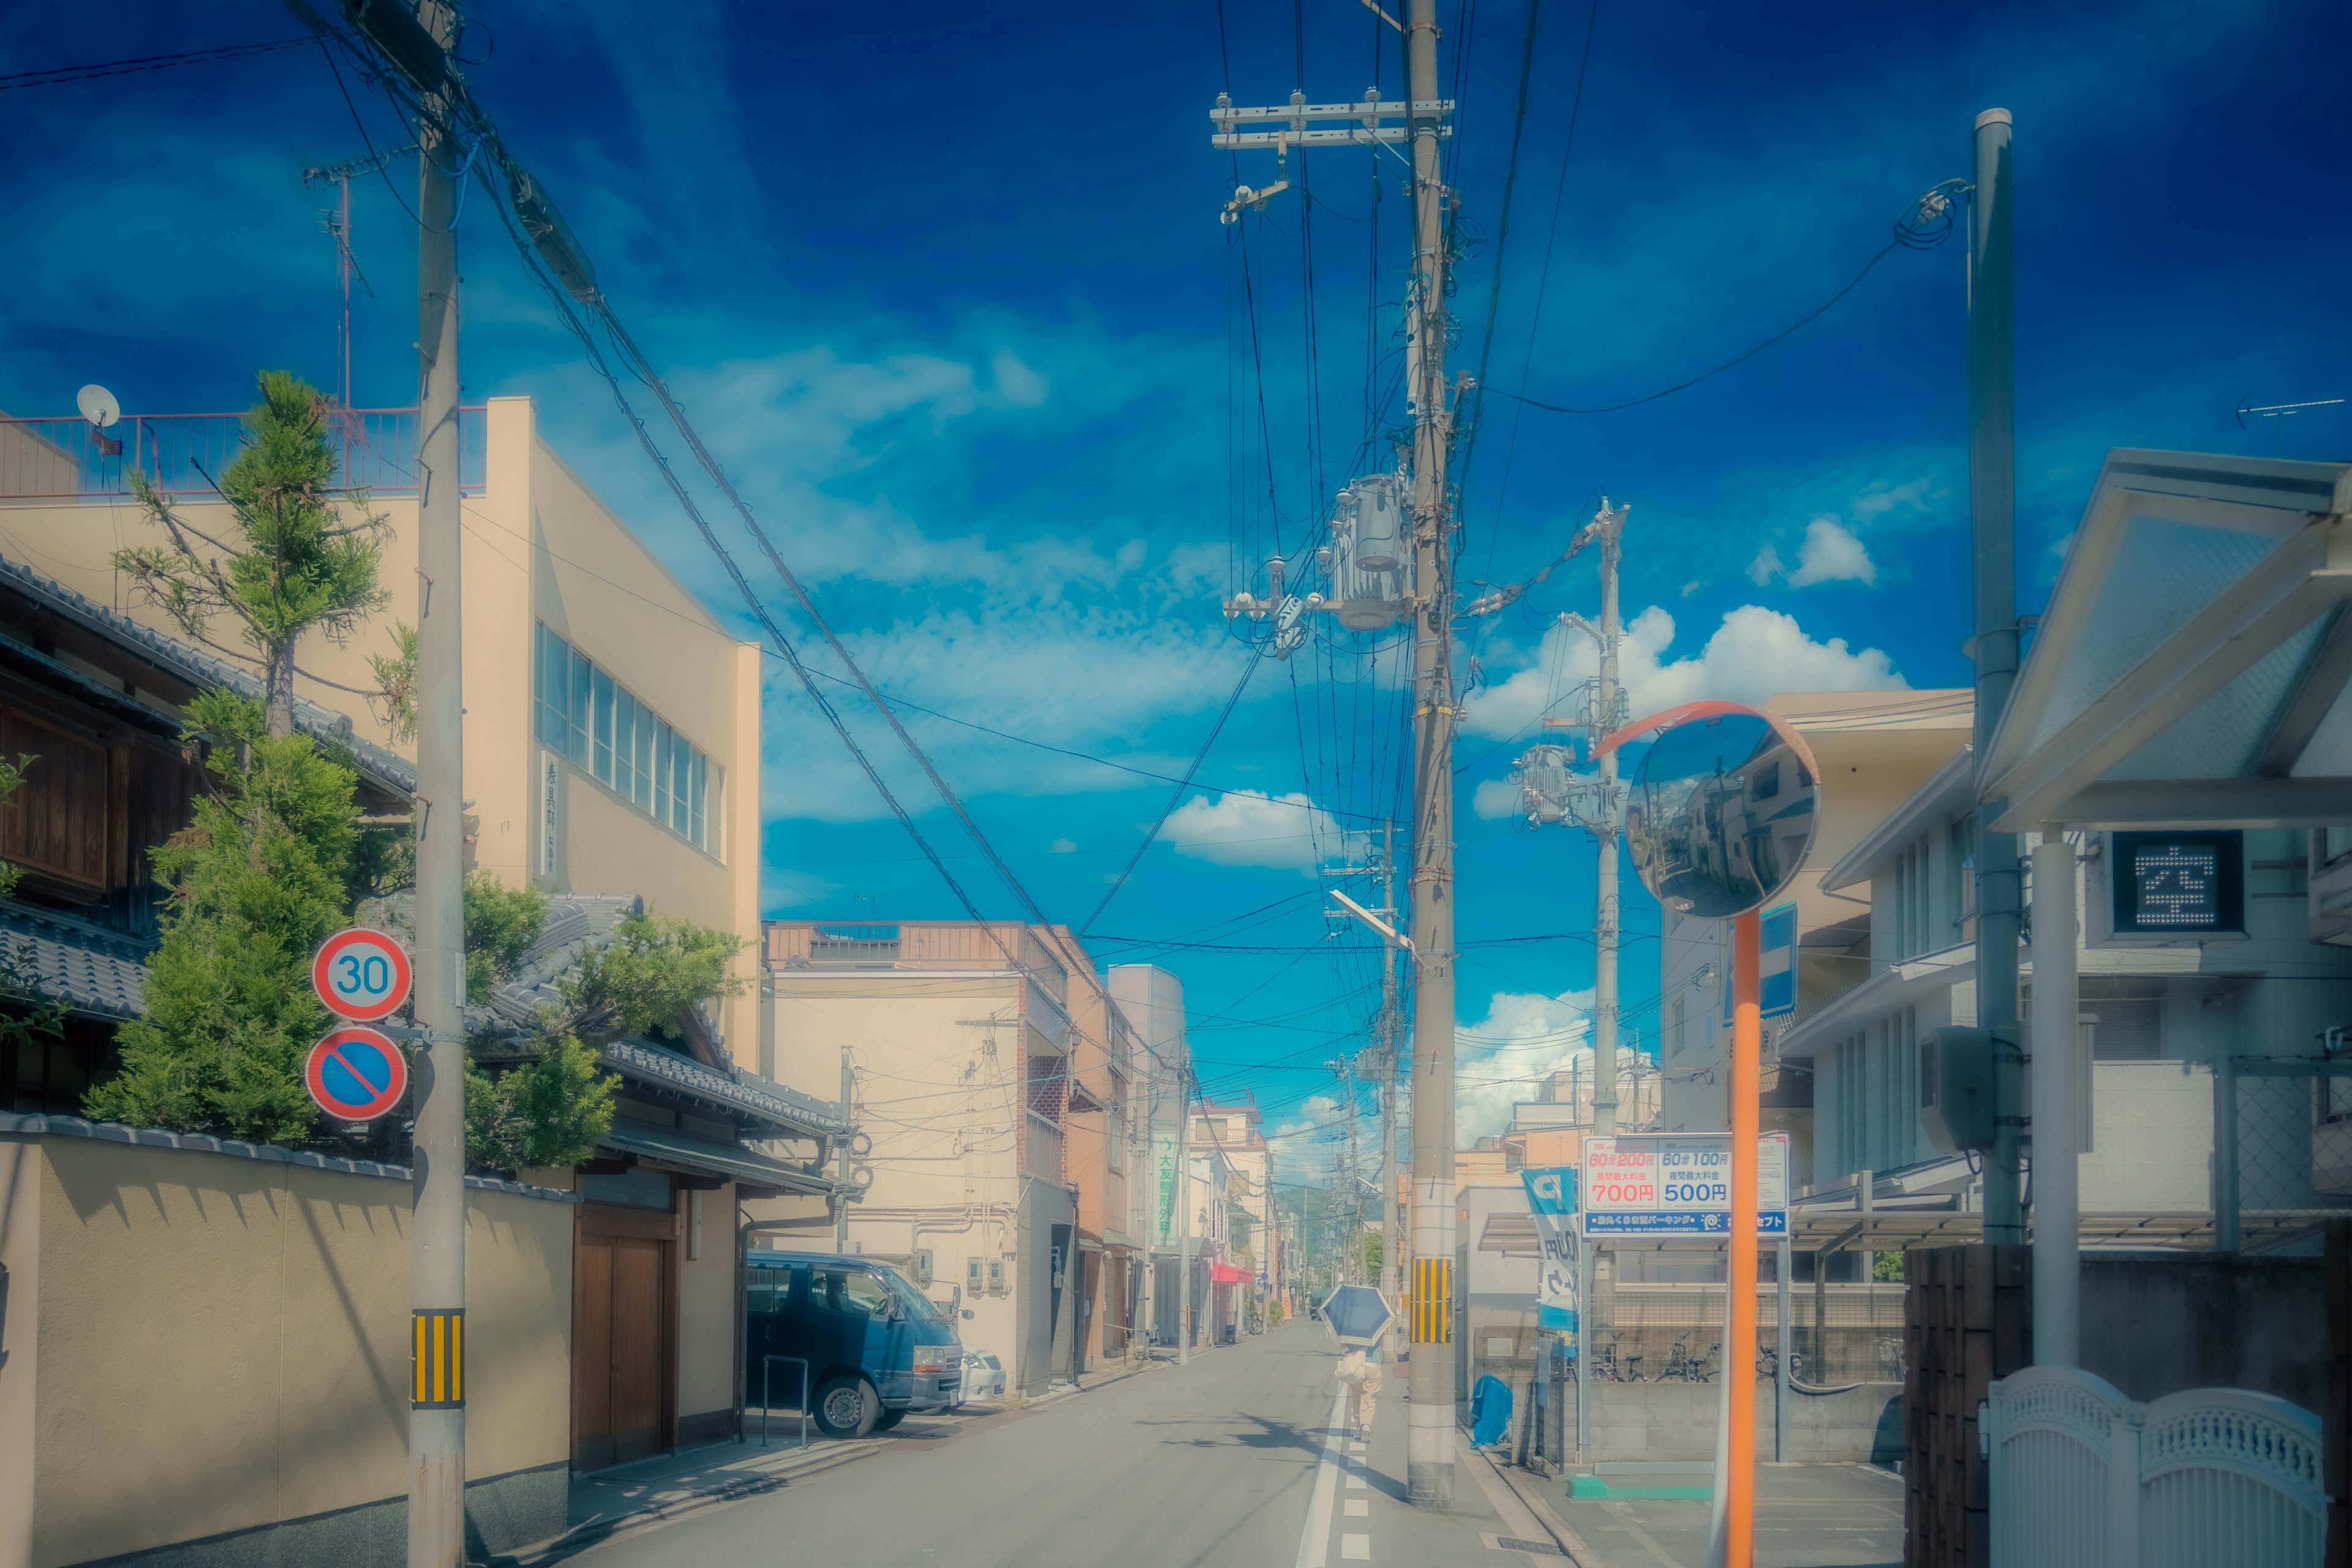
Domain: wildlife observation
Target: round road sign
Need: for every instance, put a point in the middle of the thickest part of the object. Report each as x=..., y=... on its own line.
x=360, y=974
x=356, y=1074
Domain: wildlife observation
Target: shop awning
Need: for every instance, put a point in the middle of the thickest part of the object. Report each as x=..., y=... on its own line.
x=2191, y=668
x=1226, y=1274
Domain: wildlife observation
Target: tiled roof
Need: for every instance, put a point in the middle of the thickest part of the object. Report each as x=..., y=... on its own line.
x=747, y=1094
x=199, y=668
x=96, y=970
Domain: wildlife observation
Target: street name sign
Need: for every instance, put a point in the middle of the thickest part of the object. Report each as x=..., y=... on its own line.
x=360, y=974
x=1679, y=1184
x=356, y=1074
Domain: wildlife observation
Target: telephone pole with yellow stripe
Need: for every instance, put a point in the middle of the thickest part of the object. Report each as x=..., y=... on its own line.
x=438, y=1360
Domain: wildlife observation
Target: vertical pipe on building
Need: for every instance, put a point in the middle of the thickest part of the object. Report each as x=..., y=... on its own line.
x=1992, y=510
x=2057, y=1042
x=2225, y=1154
x=436, y=1429
x=1782, y=1257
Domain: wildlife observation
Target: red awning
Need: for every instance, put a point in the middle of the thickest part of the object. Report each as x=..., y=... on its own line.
x=1225, y=1274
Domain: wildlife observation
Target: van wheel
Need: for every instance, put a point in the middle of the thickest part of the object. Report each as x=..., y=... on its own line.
x=847, y=1406
x=888, y=1419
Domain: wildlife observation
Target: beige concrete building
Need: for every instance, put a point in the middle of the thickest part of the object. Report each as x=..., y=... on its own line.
x=612, y=723
x=960, y=1041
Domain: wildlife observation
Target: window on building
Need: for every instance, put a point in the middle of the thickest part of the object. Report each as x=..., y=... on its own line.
x=2278, y=862
x=584, y=713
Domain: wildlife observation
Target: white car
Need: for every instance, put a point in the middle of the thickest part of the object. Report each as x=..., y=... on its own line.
x=983, y=1375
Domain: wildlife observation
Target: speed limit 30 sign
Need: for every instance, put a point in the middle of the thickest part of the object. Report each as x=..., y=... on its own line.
x=360, y=974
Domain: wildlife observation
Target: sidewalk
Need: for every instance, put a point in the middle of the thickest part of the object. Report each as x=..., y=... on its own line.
x=1807, y=1516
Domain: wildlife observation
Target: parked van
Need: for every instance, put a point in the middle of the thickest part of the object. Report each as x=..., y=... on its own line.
x=875, y=1345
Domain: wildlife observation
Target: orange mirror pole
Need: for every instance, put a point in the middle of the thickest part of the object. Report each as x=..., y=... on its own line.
x=1740, y=1273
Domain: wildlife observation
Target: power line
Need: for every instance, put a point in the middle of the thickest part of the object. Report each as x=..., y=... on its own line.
x=52, y=75
x=1927, y=223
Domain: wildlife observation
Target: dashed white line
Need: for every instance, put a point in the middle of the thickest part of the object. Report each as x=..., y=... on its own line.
x=1356, y=1548
x=1359, y=1507
x=1314, y=1539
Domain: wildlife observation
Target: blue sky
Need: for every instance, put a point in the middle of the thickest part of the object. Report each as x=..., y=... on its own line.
x=947, y=292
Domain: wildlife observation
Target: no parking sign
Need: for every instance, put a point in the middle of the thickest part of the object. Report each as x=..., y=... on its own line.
x=360, y=974
x=356, y=1074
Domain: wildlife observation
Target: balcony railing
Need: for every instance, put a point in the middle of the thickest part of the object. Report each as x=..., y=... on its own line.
x=68, y=458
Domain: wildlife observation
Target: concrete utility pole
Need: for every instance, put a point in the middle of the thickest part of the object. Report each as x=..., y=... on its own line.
x=436, y=1267
x=1392, y=1043
x=1352, y=1265
x=1993, y=511
x=1429, y=1439
x=841, y=1157
x=1611, y=525
x=2057, y=1108
x=1183, y=1209
x=1149, y=1227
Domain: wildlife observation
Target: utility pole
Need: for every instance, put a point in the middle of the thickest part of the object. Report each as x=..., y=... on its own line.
x=841, y=1158
x=1391, y=1039
x=436, y=1279
x=1183, y=1210
x=1605, y=717
x=1429, y=599
x=1993, y=511
x=1149, y=1229
x=1352, y=1264
x=1429, y=1439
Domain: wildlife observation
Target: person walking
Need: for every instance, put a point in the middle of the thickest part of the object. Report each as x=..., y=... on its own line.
x=1362, y=1378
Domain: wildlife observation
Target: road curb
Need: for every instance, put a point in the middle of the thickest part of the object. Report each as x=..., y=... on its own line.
x=596, y=1532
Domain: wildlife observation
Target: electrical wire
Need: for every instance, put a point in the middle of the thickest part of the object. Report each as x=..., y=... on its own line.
x=1925, y=224
x=53, y=76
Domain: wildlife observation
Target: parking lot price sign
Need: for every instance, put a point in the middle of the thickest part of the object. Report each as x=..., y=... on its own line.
x=1679, y=1184
x=360, y=974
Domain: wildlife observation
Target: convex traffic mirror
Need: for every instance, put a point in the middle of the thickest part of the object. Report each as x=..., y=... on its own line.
x=1721, y=812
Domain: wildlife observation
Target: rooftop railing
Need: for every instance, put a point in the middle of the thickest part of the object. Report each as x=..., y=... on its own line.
x=68, y=458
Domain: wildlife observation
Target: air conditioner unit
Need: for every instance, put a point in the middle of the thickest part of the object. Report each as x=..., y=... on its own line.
x=2166, y=890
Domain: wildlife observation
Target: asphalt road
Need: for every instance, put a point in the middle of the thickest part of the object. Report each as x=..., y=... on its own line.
x=1234, y=1459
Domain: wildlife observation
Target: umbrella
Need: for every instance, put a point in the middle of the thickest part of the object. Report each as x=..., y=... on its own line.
x=1356, y=1314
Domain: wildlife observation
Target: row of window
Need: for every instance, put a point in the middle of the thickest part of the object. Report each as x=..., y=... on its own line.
x=584, y=713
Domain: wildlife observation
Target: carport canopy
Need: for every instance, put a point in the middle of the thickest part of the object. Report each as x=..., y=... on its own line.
x=2191, y=668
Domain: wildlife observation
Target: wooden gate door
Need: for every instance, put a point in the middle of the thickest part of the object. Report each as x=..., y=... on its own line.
x=620, y=1349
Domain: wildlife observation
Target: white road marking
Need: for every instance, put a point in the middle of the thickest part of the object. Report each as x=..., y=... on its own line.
x=1314, y=1539
x=1356, y=1482
x=1356, y=1548
x=1359, y=1507
x=1649, y=1543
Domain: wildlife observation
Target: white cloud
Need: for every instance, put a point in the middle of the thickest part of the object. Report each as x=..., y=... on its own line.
x=1062, y=846
x=1766, y=566
x=1832, y=553
x=1249, y=827
x=1524, y=1039
x=1693, y=586
x=1495, y=799
x=1753, y=653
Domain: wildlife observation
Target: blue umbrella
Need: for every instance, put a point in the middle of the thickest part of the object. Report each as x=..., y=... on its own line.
x=1356, y=1314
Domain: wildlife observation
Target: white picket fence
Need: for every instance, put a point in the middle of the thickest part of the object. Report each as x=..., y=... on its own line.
x=2211, y=1477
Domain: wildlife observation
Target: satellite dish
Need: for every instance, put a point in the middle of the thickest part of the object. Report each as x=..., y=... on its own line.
x=98, y=405
x=1722, y=812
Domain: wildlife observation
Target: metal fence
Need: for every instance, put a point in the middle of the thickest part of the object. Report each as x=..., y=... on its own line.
x=2281, y=1158
x=2211, y=1477
x=68, y=458
x=1845, y=1332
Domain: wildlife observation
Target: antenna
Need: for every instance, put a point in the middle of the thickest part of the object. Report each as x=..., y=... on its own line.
x=2282, y=413
x=338, y=223
x=98, y=405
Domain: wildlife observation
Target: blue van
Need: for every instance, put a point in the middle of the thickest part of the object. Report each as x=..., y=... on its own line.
x=875, y=1347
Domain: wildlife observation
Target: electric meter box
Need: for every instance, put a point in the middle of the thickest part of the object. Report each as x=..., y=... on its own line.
x=2165, y=888
x=1956, y=1088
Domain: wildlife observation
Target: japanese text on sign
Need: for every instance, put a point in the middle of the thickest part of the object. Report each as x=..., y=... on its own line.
x=1679, y=1185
